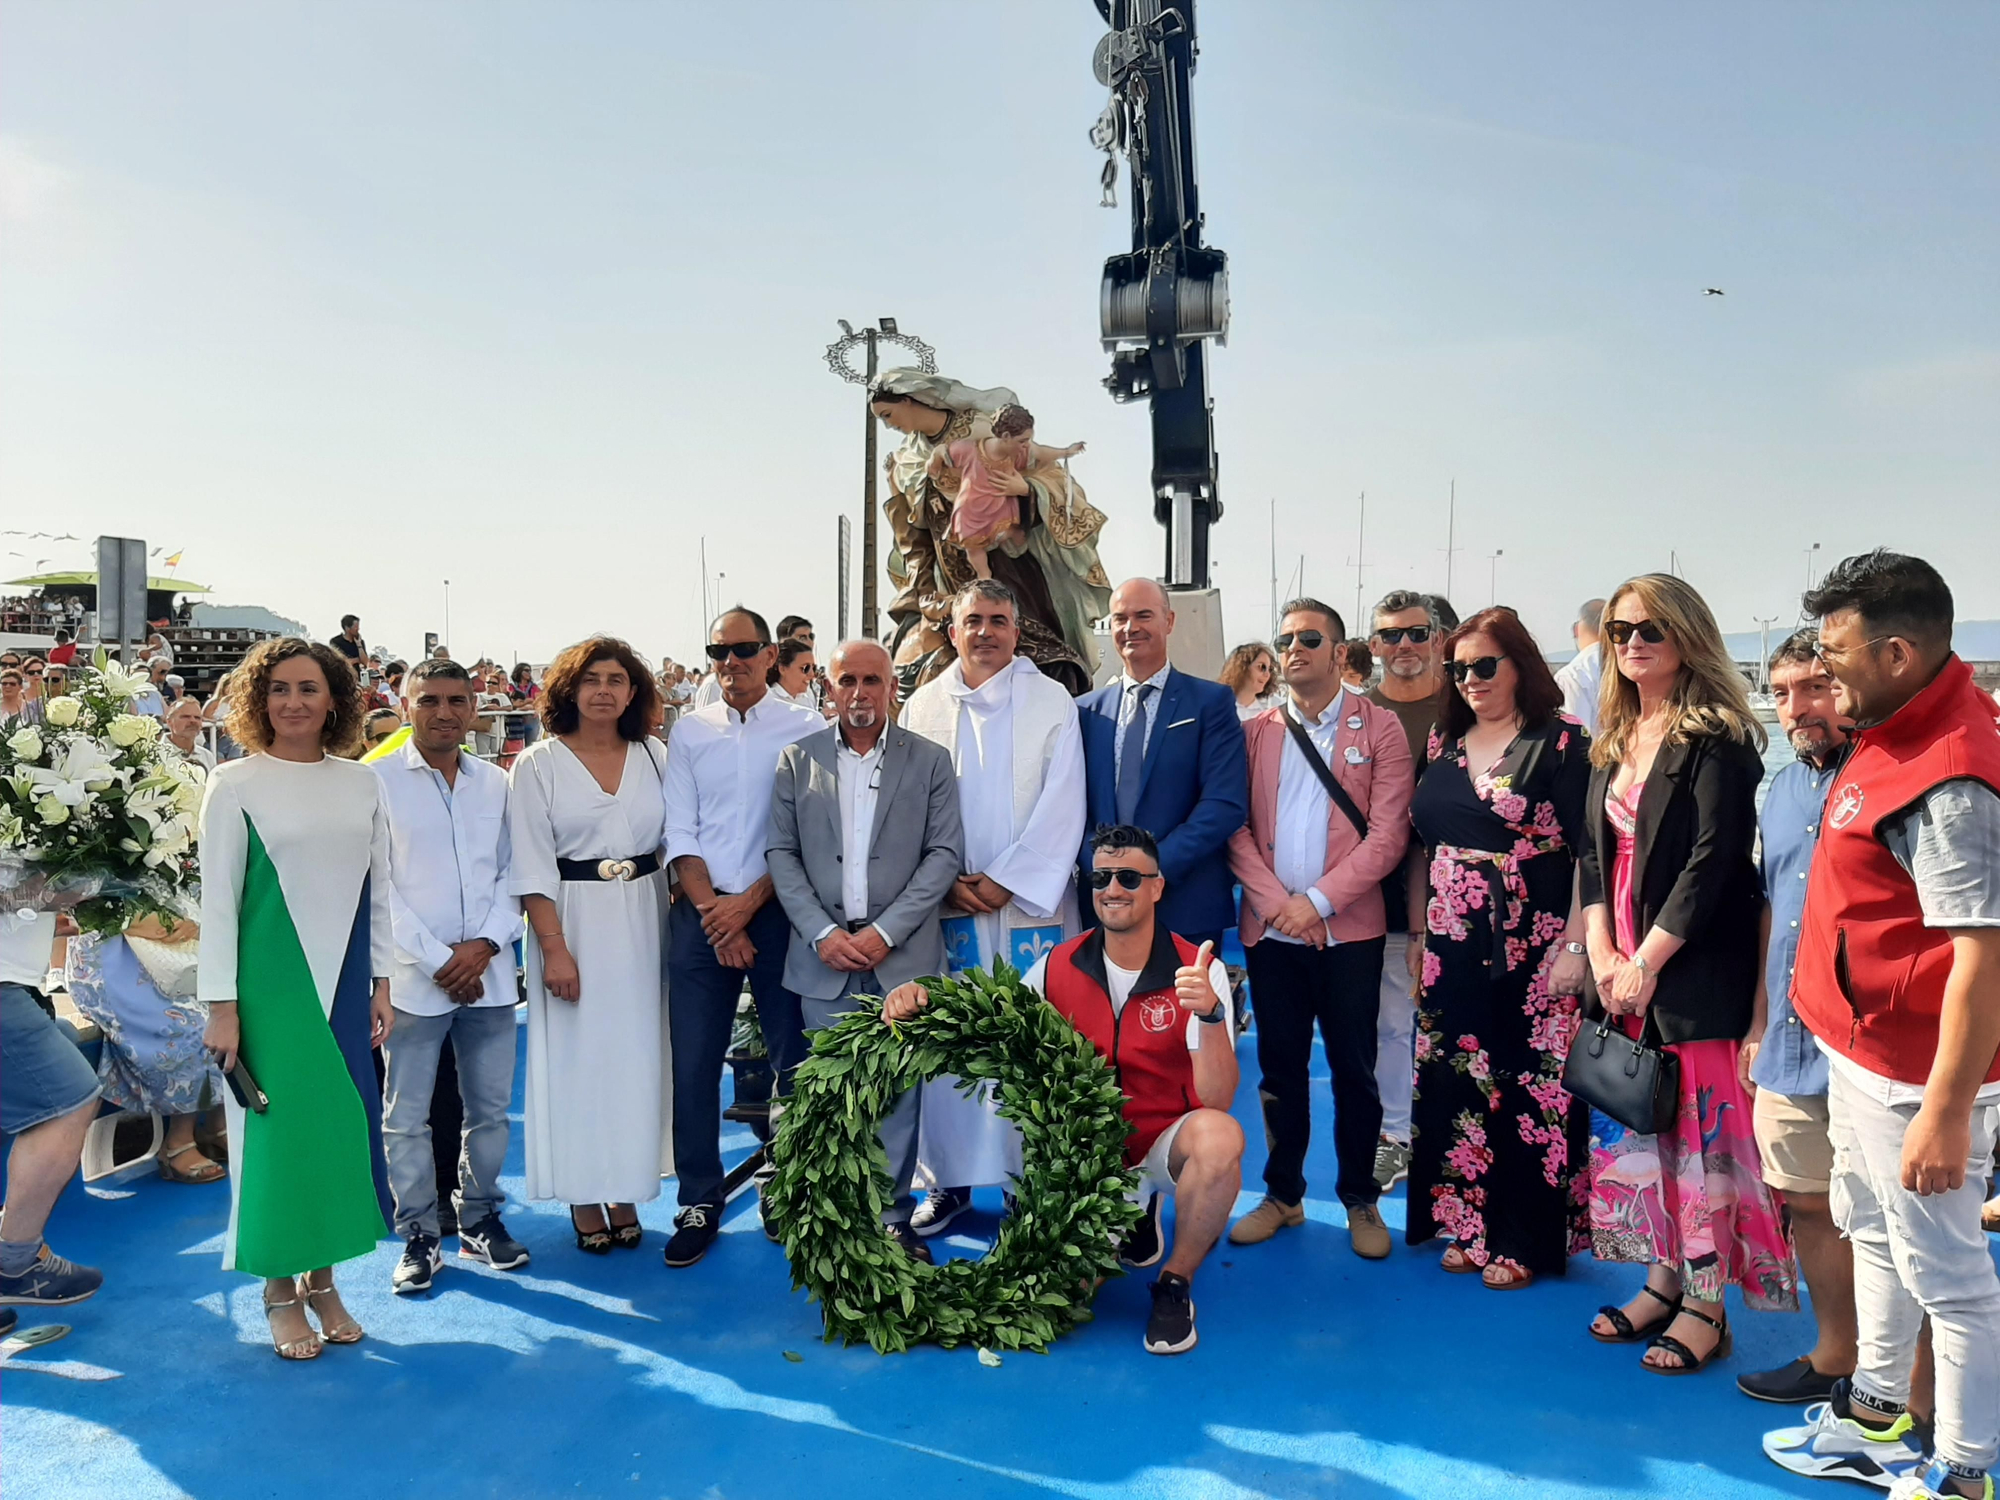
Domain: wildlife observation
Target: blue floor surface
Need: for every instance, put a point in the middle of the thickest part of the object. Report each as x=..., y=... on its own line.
x=1317, y=1374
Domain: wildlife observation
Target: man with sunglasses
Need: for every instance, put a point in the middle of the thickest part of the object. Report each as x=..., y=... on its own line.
x=1898, y=977
x=721, y=765
x=865, y=843
x=1156, y=1008
x=1408, y=637
x=1330, y=789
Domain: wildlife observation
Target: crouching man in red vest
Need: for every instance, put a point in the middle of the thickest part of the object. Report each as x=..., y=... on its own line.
x=1898, y=977
x=1158, y=1011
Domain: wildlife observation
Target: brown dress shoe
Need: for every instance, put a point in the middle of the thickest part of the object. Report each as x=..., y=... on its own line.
x=1267, y=1218
x=1366, y=1230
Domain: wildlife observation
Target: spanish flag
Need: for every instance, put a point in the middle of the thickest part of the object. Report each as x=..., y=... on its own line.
x=175, y=560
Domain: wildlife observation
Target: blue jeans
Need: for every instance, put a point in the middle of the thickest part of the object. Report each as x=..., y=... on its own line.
x=701, y=1010
x=483, y=1041
x=43, y=1073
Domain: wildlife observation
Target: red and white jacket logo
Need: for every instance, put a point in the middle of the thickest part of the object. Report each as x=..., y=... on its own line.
x=1846, y=806
x=1158, y=1013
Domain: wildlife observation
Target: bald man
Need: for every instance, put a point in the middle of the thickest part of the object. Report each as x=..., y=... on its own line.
x=1163, y=751
x=865, y=843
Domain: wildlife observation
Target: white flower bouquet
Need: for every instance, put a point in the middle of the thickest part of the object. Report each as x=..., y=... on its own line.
x=98, y=810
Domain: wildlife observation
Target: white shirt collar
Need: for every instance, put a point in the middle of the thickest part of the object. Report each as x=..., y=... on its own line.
x=1157, y=681
x=414, y=760
x=843, y=748
x=991, y=693
x=1328, y=715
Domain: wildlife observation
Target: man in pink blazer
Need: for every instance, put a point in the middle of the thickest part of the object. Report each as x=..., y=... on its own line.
x=1311, y=861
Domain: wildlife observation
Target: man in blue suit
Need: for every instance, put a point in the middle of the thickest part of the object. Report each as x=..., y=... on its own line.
x=1163, y=751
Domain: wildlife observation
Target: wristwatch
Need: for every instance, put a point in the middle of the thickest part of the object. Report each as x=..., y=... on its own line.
x=1577, y=948
x=1641, y=965
x=491, y=944
x=1211, y=1018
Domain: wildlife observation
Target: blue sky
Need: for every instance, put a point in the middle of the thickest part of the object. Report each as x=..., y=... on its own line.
x=346, y=300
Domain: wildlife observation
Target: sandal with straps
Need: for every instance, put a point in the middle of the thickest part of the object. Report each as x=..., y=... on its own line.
x=1626, y=1333
x=1690, y=1365
x=591, y=1241
x=1517, y=1275
x=208, y=1171
x=1462, y=1266
x=348, y=1332
x=309, y=1347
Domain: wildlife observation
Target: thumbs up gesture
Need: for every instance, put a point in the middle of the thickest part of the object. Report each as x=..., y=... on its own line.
x=1191, y=986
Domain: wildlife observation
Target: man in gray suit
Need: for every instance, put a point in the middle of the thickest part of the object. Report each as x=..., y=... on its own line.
x=865, y=841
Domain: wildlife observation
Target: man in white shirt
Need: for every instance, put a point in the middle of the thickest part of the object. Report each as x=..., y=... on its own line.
x=864, y=843
x=721, y=764
x=1581, y=674
x=455, y=927
x=1012, y=734
x=1157, y=1011
x=1330, y=788
x=48, y=1097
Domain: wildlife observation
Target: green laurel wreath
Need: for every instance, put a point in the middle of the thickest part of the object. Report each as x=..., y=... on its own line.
x=1071, y=1205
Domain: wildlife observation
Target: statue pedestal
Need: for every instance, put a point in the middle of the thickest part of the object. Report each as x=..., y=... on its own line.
x=1196, y=646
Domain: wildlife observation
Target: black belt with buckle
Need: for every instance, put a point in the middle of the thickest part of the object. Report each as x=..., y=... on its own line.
x=608, y=869
x=857, y=925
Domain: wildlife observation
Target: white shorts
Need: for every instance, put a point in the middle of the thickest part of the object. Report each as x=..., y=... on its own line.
x=1153, y=1174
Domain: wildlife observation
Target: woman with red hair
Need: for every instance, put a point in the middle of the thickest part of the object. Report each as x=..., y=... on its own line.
x=1501, y=1151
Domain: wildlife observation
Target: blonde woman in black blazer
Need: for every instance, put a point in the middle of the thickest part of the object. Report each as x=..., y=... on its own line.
x=1671, y=905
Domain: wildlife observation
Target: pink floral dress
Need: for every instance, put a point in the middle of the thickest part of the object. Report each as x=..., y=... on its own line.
x=1501, y=1149
x=1693, y=1199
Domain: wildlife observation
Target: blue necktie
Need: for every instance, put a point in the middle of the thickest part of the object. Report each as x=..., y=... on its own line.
x=1132, y=756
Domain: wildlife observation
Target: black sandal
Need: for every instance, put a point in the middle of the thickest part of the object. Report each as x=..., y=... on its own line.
x=590, y=1241
x=625, y=1236
x=1626, y=1333
x=1689, y=1365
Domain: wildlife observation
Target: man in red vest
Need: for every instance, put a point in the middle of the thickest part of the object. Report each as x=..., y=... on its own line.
x=1157, y=1010
x=1898, y=977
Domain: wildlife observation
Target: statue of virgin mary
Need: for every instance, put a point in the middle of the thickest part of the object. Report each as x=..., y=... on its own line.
x=1052, y=566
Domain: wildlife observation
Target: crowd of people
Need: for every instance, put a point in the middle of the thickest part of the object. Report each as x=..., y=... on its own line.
x=1458, y=876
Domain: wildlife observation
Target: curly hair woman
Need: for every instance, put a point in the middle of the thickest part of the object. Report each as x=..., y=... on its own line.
x=295, y=954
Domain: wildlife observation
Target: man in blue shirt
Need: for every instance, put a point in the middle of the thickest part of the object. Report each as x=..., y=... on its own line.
x=1780, y=1059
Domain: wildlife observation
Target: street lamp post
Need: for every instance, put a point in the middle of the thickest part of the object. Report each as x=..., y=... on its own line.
x=447, y=613
x=869, y=339
x=1493, y=574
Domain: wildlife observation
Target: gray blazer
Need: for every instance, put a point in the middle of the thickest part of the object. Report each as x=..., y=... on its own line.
x=915, y=852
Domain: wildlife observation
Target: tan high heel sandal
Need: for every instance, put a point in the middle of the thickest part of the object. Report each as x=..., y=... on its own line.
x=308, y=1347
x=349, y=1332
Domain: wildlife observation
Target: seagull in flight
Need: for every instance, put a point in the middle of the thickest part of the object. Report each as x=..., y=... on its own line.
x=1714, y=291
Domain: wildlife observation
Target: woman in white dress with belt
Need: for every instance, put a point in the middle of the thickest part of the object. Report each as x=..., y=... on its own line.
x=587, y=818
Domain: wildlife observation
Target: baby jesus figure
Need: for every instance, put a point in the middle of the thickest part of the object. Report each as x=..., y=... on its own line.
x=989, y=474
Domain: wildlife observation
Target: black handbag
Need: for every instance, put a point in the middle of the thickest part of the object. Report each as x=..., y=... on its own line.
x=1634, y=1080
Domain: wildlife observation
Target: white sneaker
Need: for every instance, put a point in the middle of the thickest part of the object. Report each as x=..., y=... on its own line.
x=1931, y=1483
x=1392, y=1162
x=1830, y=1446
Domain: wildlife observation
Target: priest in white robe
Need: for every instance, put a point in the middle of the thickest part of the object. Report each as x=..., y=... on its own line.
x=1014, y=741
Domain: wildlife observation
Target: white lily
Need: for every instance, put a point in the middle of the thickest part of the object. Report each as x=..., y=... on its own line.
x=119, y=683
x=78, y=768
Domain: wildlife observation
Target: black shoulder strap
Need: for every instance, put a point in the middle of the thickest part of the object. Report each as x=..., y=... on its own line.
x=1325, y=773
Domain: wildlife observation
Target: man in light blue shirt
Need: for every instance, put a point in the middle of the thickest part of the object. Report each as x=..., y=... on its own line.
x=1781, y=1061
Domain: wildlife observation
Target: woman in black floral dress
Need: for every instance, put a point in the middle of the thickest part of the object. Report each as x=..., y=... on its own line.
x=1502, y=1158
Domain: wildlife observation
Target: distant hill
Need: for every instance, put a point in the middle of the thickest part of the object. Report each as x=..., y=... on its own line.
x=243, y=617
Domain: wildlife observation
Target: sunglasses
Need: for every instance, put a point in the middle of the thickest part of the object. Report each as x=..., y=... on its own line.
x=1622, y=631
x=1131, y=880
x=376, y=739
x=1483, y=668
x=1416, y=635
x=1312, y=640
x=32, y=671
x=1825, y=654
x=741, y=650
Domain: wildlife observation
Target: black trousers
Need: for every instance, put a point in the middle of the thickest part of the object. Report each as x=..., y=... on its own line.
x=1292, y=986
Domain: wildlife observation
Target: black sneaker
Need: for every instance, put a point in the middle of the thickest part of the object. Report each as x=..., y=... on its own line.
x=1142, y=1246
x=939, y=1208
x=767, y=1215
x=50, y=1282
x=1170, y=1330
x=8, y=1318
x=421, y=1261
x=489, y=1241
x=1794, y=1384
x=904, y=1235
x=695, y=1229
